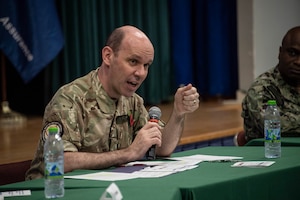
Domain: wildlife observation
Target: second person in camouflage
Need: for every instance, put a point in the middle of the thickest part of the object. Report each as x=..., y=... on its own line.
x=281, y=83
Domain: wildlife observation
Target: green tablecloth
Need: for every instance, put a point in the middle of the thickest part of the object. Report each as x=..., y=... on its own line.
x=209, y=181
x=285, y=141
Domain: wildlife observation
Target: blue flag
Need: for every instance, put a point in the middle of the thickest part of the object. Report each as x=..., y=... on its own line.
x=30, y=34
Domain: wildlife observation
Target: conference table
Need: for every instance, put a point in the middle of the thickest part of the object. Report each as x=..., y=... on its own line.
x=210, y=180
x=285, y=141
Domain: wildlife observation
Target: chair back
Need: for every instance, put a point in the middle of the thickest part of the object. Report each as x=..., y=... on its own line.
x=13, y=172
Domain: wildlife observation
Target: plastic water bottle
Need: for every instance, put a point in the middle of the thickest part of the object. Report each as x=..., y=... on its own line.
x=272, y=131
x=54, y=164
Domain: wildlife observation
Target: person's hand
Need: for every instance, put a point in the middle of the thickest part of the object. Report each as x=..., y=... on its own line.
x=147, y=136
x=186, y=100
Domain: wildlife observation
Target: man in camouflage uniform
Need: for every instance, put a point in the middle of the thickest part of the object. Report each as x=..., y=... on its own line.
x=101, y=119
x=281, y=83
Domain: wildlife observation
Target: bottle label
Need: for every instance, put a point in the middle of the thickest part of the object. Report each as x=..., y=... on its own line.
x=54, y=170
x=272, y=135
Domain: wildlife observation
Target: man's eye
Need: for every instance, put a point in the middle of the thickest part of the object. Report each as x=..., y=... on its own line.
x=133, y=62
x=292, y=52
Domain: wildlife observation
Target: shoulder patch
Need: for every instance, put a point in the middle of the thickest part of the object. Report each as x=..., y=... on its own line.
x=49, y=125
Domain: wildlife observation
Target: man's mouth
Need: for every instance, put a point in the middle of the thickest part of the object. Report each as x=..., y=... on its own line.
x=133, y=84
x=295, y=71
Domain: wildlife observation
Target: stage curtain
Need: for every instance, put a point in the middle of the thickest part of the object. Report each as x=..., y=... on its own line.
x=204, y=45
x=195, y=42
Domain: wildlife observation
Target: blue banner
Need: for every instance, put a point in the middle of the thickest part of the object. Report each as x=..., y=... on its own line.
x=30, y=34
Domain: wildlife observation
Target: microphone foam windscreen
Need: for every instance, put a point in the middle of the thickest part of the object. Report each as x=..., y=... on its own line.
x=155, y=112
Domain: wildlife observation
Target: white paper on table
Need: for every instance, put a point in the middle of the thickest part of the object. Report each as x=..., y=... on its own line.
x=174, y=166
x=152, y=174
x=255, y=164
x=159, y=171
x=104, y=176
x=168, y=162
x=161, y=168
x=201, y=157
x=147, y=163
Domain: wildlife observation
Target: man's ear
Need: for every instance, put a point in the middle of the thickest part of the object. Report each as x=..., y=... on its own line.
x=107, y=54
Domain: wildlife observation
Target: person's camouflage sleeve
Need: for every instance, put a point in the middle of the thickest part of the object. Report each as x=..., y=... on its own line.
x=89, y=120
x=270, y=85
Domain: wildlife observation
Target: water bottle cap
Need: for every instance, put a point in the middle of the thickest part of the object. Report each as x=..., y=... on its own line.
x=53, y=129
x=272, y=102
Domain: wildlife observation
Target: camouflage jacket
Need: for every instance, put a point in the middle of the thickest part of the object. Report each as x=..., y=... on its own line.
x=89, y=120
x=270, y=85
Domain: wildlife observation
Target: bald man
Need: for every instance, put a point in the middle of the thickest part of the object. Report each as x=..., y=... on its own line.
x=102, y=121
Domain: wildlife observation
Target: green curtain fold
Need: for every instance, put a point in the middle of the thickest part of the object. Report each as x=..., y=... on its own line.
x=86, y=25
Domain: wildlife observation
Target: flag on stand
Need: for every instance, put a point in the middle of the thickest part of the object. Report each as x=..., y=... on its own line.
x=30, y=34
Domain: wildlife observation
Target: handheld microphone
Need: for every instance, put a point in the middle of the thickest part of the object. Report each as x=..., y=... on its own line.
x=154, y=116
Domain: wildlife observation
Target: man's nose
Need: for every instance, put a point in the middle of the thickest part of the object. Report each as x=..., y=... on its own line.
x=141, y=71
